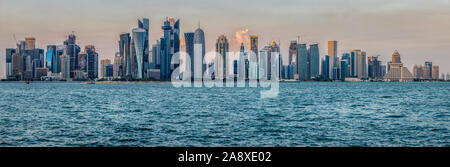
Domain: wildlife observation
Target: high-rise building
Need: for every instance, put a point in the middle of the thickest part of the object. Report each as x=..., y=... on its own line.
x=65, y=67
x=103, y=64
x=51, y=59
x=17, y=66
x=125, y=54
x=374, y=68
x=362, y=66
x=222, y=49
x=254, y=46
x=302, y=62
x=170, y=44
x=314, y=60
x=189, y=41
x=117, y=65
x=293, y=55
x=354, y=62
x=145, y=24
x=30, y=43
x=325, y=67
x=82, y=62
x=92, y=62
x=199, y=54
x=429, y=65
x=418, y=71
x=72, y=50
x=397, y=72
x=332, y=53
x=138, y=42
x=9, y=57
x=343, y=67
x=435, y=72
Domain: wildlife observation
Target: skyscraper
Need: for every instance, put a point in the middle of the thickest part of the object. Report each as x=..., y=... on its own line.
x=92, y=62
x=435, y=72
x=30, y=43
x=332, y=53
x=51, y=59
x=170, y=44
x=103, y=64
x=314, y=60
x=374, y=68
x=254, y=46
x=9, y=57
x=397, y=72
x=325, y=67
x=124, y=50
x=189, y=41
x=199, y=54
x=72, y=50
x=293, y=55
x=354, y=62
x=222, y=49
x=362, y=66
x=429, y=65
x=145, y=24
x=65, y=67
x=302, y=62
x=138, y=37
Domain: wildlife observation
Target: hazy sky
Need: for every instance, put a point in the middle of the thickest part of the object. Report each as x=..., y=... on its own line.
x=419, y=30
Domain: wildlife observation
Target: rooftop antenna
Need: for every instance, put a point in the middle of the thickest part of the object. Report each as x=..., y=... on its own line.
x=298, y=38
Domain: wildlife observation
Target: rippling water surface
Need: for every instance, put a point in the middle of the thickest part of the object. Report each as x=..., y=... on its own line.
x=303, y=114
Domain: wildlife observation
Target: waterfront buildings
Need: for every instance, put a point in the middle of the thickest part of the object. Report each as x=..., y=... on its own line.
x=398, y=73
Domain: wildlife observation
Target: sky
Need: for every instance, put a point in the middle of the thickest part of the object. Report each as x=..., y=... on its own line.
x=418, y=29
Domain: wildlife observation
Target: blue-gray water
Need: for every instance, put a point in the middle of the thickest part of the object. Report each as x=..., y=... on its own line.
x=303, y=114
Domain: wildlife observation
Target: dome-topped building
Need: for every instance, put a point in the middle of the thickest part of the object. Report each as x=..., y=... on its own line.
x=398, y=73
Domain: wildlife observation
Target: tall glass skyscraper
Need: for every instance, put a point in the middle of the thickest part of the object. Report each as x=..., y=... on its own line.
x=170, y=44
x=362, y=66
x=51, y=58
x=139, y=36
x=254, y=45
x=199, y=54
x=189, y=41
x=221, y=59
x=124, y=51
x=72, y=50
x=325, y=67
x=145, y=24
x=302, y=62
x=314, y=60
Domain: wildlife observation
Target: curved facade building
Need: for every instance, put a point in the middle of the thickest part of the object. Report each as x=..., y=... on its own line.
x=139, y=39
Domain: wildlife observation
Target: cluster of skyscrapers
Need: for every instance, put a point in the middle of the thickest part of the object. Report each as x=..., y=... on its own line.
x=137, y=61
x=60, y=62
x=427, y=71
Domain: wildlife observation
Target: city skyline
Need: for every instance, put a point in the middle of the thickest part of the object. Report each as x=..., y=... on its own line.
x=426, y=40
